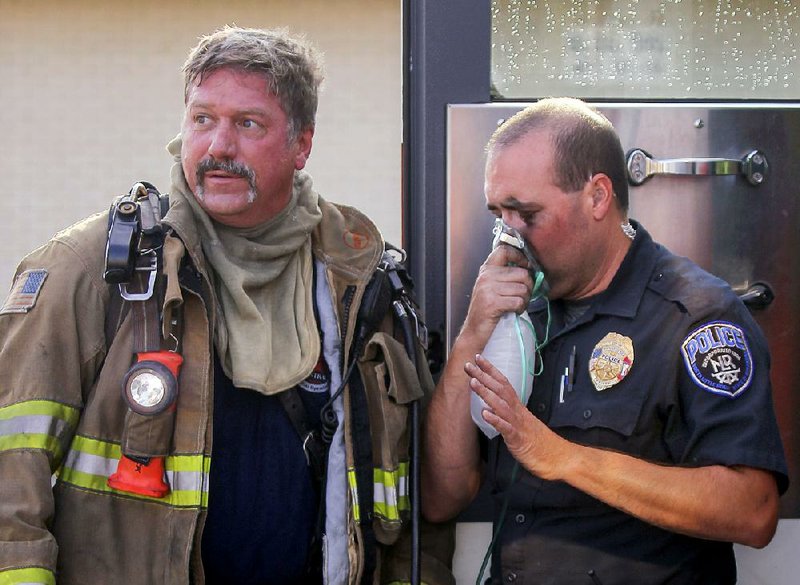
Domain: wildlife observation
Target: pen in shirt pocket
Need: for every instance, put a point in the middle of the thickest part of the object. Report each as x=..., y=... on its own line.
x=571, y=369
x=568, y=377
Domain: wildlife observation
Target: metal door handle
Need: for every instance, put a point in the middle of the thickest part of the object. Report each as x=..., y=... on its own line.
x=758, y=296
x=641, y=166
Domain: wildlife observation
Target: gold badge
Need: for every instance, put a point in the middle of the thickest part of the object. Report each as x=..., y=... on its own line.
x=612, y=359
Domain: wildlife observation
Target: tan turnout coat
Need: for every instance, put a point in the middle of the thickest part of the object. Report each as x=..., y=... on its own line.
x=61, y=412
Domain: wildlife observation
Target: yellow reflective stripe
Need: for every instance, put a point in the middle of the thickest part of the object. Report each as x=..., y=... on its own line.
x=28, y=576
x=32, y=441
x=351, y=480
x=90, y=462
x=391, y=492
x=96, y=447
x=37, y=407
x=38, y=424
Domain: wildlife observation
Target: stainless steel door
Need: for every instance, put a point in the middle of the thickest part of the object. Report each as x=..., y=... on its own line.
x=726, y=193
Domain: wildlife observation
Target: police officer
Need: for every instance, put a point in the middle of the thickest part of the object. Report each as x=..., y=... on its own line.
x=649, y=443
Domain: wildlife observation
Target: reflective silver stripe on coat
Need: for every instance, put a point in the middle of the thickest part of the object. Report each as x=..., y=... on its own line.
x=38, y=424
x=90, y=462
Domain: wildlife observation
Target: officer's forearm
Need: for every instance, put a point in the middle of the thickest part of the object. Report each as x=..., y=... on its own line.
x=736, y=504
x=451, y=469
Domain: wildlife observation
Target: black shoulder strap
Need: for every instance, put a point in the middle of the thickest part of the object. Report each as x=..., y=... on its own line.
x=314, y=447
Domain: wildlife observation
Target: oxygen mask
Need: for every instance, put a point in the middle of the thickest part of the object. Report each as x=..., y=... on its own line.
x=505, y=234
x=512, y=346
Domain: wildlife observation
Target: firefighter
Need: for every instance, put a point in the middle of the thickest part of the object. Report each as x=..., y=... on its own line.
x=649, y=442
x=235, y=413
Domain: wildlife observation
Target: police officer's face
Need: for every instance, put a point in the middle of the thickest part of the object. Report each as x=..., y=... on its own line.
x=557, y=225
x=236, y=153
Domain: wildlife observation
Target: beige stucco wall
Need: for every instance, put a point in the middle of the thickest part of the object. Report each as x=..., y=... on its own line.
x=90, y=92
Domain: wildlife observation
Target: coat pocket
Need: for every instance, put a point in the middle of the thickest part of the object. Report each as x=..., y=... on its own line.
x=391, y=384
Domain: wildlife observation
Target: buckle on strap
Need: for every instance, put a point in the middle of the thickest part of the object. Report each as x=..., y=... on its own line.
x=315, y=451
x=152, y=267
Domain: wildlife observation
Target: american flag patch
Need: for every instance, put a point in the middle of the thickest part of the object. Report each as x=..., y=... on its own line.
x=24, y=292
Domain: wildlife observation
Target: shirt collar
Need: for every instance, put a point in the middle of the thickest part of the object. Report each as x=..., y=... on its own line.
x=623, y=295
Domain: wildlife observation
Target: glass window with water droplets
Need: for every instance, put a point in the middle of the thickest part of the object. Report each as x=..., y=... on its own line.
x=646, y=49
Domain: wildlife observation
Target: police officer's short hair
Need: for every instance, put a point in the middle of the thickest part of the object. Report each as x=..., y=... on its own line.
x=291, y=65
x=584, y=142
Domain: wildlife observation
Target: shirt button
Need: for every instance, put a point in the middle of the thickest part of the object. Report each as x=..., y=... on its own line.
x=541, y=407
x=587, y=414
x=511, y=577
x=520, y=518
x=658, y=277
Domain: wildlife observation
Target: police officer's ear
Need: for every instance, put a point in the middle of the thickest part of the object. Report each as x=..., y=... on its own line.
x=602, y=192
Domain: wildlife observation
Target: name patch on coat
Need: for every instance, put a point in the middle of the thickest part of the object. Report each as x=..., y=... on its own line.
x=24, y=291
x=718, y=358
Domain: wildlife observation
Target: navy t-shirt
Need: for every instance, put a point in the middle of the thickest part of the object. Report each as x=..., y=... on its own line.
x=262, y=509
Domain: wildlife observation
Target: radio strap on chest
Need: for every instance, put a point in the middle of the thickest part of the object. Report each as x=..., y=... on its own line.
x=150, y=387
x=315, y=449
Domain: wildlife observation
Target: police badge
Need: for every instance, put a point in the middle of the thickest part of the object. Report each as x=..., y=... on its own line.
x=612, y=359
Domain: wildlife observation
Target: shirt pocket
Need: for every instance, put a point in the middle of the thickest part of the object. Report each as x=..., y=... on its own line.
x=617, y=408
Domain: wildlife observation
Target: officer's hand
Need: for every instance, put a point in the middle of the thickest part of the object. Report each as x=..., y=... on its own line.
x=503, y=285
x=528, y=439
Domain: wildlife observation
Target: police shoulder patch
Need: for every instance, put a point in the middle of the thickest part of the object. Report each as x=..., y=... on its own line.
x=24, y=292
x=718, y=358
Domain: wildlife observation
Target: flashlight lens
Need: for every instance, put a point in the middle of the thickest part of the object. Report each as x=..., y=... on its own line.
x=147, y=389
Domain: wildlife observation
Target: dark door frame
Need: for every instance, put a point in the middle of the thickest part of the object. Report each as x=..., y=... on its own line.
x=446, y=59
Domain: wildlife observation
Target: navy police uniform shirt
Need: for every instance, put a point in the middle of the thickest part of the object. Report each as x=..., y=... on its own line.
x=666, y=365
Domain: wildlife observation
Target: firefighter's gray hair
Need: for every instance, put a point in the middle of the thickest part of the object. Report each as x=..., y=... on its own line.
x=291, y=65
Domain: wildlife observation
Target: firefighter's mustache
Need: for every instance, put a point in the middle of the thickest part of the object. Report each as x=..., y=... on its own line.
x=226, y=166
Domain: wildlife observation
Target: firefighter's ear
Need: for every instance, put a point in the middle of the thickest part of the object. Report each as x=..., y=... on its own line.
x=304, y=142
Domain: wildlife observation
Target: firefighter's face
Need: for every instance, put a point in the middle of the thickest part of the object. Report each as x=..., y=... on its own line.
x=237, y=154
